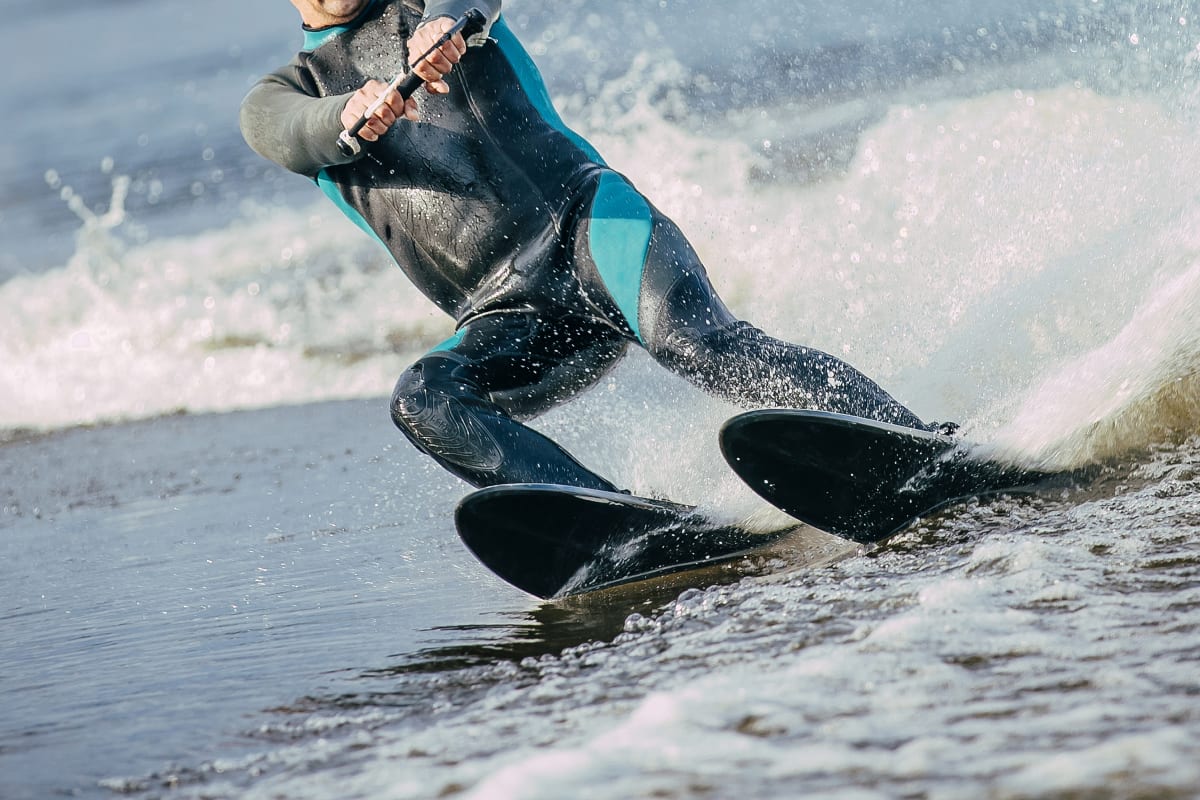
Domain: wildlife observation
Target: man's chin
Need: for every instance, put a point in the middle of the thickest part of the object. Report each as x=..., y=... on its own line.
x=322, y=13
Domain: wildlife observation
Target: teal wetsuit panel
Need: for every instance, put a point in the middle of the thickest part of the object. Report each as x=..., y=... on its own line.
x=619, y=238
x=450, y=343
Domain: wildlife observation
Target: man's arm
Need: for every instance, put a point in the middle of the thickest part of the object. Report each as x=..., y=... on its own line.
x=283, y=123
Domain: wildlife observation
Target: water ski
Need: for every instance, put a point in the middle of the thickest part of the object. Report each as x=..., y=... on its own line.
x=557, y=541
x=861, y=479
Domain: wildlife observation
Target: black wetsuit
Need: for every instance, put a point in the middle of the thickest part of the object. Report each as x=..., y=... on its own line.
x=549, y=261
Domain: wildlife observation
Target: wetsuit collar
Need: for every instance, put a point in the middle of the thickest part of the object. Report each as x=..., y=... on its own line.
x=315, y=37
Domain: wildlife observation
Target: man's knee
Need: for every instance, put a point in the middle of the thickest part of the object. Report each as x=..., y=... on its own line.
x=410, y=398
x=692, y=348
x=422, y=389
x=435, y=406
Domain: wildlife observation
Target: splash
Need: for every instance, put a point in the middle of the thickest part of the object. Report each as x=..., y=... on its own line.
x=1022, y=261
x=1141, y=386
x=976, y=256
x=281, y=307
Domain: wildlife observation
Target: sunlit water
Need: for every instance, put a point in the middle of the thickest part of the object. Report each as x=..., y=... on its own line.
x=986, y=207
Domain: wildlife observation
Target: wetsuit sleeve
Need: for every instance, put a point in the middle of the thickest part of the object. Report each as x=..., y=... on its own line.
x=454, y=9
x=283, y=122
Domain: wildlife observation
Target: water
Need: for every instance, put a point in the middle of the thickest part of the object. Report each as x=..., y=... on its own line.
x=984, y=206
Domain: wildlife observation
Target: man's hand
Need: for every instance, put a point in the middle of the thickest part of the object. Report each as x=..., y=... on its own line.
x=383, y=118
x=431, y=69
x=442, y=60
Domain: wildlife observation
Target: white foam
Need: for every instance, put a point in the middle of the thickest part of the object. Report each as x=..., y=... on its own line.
x=1142, y=761
x=283, y=307
x=1141, y=385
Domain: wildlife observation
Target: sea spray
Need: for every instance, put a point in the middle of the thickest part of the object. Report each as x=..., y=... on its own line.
x=958, y=248
x=1141, y=386
x=282, y=307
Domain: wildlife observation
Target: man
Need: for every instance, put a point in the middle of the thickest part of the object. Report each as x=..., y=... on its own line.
x=551, y=263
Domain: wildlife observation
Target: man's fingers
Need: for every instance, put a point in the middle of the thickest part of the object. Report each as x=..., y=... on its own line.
x=428, y=72
x=395, y=105
x=427, y=35
x=438, y=63
x=453, y=50
x=384, y=116
x=368, y=133
x=431, y=69
x=375, y=127
x=370, y=92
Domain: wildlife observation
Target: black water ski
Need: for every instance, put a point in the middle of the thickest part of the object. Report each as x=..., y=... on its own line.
x=858, y=478
x=556, y=541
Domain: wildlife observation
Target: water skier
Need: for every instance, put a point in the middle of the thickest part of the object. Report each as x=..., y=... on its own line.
x=549, y=261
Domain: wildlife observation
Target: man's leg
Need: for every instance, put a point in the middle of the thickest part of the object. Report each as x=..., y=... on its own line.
x=657, y=281
x=689, y=329
x=458, y=402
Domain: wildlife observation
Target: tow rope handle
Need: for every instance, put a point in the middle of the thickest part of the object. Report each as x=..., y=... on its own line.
x=405, y=83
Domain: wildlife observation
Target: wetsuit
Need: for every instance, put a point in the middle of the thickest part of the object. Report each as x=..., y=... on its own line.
x=550, y=262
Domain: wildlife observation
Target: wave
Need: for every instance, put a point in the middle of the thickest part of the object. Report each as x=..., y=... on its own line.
x=281, y=307
x=1023, y=261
